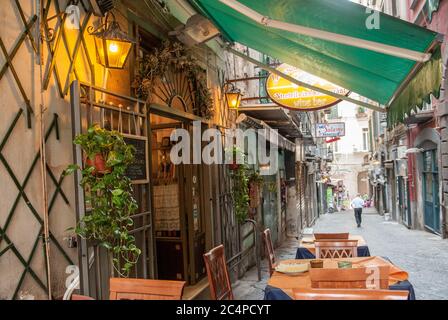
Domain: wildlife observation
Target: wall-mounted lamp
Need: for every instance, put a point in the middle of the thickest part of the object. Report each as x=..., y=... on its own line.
x=233, y=96
x=113, y=45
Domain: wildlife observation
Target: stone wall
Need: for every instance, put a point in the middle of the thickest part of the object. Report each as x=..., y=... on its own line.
x=439, y=24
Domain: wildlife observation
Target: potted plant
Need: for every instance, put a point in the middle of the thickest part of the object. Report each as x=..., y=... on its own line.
x=240, y=186
x=96, y=144
x=108, y=222
x=255, y=183
x=361, y=112
x=236, y=154
x=256, y=178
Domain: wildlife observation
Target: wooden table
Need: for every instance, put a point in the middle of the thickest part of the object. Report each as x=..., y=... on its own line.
x=303, y=280
x=308, y=242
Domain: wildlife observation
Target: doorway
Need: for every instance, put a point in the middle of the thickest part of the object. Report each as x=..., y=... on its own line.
x=403, y=201
x=270, y=206
x=431, y=201
x=178, y=218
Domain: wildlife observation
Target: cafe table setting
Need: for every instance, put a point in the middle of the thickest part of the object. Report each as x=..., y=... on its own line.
x=296, y=274
x=307, y=249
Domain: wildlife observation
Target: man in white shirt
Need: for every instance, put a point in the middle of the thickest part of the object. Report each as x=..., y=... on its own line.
x=357, y=204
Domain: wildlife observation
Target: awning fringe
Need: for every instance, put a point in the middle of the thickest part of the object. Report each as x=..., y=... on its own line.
x=427, y=82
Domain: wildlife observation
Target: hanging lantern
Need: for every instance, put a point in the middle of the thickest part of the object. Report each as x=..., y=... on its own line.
x=113, y=45
x=233, y=97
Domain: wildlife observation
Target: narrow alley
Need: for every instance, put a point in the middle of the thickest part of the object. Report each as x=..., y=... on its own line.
x=158, y=149
x=423, y=255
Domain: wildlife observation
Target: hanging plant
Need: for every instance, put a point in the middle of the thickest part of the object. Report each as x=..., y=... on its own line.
x=240, y=188
x=109, y=195
x=174, y=55
x=272, y=187
x=256, y=178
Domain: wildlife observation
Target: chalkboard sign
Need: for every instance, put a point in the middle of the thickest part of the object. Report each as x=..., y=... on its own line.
x=138, y=171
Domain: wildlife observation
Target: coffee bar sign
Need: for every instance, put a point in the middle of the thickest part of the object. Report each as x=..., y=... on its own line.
x=291, y=96
x=330, y=130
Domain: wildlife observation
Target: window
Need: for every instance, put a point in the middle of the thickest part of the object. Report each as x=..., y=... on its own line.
x=365, y=139
x=394, y=8
x=334, y=114
x=336, y=147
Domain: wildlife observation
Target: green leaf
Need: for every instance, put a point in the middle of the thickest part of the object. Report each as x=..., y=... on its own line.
x=117, y=192
x=71, y=169
x=106, y=245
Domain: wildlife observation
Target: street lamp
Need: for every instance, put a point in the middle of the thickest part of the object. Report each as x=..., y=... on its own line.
x=233, y=97
x=113, y=45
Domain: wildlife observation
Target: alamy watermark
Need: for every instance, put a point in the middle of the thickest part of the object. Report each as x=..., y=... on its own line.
x=373, y=21
x=254, y=147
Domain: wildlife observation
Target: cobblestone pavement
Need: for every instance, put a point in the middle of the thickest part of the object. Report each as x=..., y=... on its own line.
x=423, y=255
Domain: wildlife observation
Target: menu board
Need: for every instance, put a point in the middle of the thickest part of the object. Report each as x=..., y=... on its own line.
x=138, y=171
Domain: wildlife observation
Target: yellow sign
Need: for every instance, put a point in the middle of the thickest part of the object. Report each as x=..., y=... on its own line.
x=292, y=96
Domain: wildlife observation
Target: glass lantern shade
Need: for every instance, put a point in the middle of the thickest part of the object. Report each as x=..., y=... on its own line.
x=113, y=46
x=112, y=53
x=233, y=99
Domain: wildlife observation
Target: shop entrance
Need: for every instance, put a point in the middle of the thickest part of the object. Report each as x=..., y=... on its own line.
x=431, y=191
x=178, y=217
x=270, y=206
x=403, y=201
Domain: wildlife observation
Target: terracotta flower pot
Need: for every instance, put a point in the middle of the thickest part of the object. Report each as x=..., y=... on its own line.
x=99, y=163
x=234, y=166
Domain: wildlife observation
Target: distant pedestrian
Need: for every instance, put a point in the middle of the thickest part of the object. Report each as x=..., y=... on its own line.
x=357, y=204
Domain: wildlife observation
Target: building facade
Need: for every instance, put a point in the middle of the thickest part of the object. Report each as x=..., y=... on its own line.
x=348, y=174
x=412, y=156
x=54, y=89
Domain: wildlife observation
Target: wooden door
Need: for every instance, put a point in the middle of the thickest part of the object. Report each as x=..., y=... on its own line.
x=431, y=191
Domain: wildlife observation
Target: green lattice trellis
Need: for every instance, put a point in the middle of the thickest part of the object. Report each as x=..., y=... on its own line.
x=23, y=195
x=9, y=57
x=54, y=36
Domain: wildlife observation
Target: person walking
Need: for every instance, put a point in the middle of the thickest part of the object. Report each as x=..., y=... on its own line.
x=357, y=204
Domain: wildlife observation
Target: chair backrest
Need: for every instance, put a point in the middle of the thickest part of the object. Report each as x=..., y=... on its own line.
x=374, y=278
x=143, y=289
x=333, y=249
x=218, y=275
x=269, y=250
x=353, y=294
x=77, y=297
x=331, y=236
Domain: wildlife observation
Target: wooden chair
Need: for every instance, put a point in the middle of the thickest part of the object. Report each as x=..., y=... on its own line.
x=77, y=297
x=331, y=236
x=353, y=294
x=218, y=275
x=359, y=278
x=334, y=249
x=143, y=289
x=269, y=250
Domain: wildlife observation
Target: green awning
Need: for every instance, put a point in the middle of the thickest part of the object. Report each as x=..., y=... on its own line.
x=377, y=76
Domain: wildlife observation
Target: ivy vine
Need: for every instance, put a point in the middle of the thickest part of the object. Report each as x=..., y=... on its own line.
x=109, y=195
x=240, y=188
x=174, y=55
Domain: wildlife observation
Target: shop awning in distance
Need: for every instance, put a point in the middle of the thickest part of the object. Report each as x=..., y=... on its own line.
x=400, y=82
